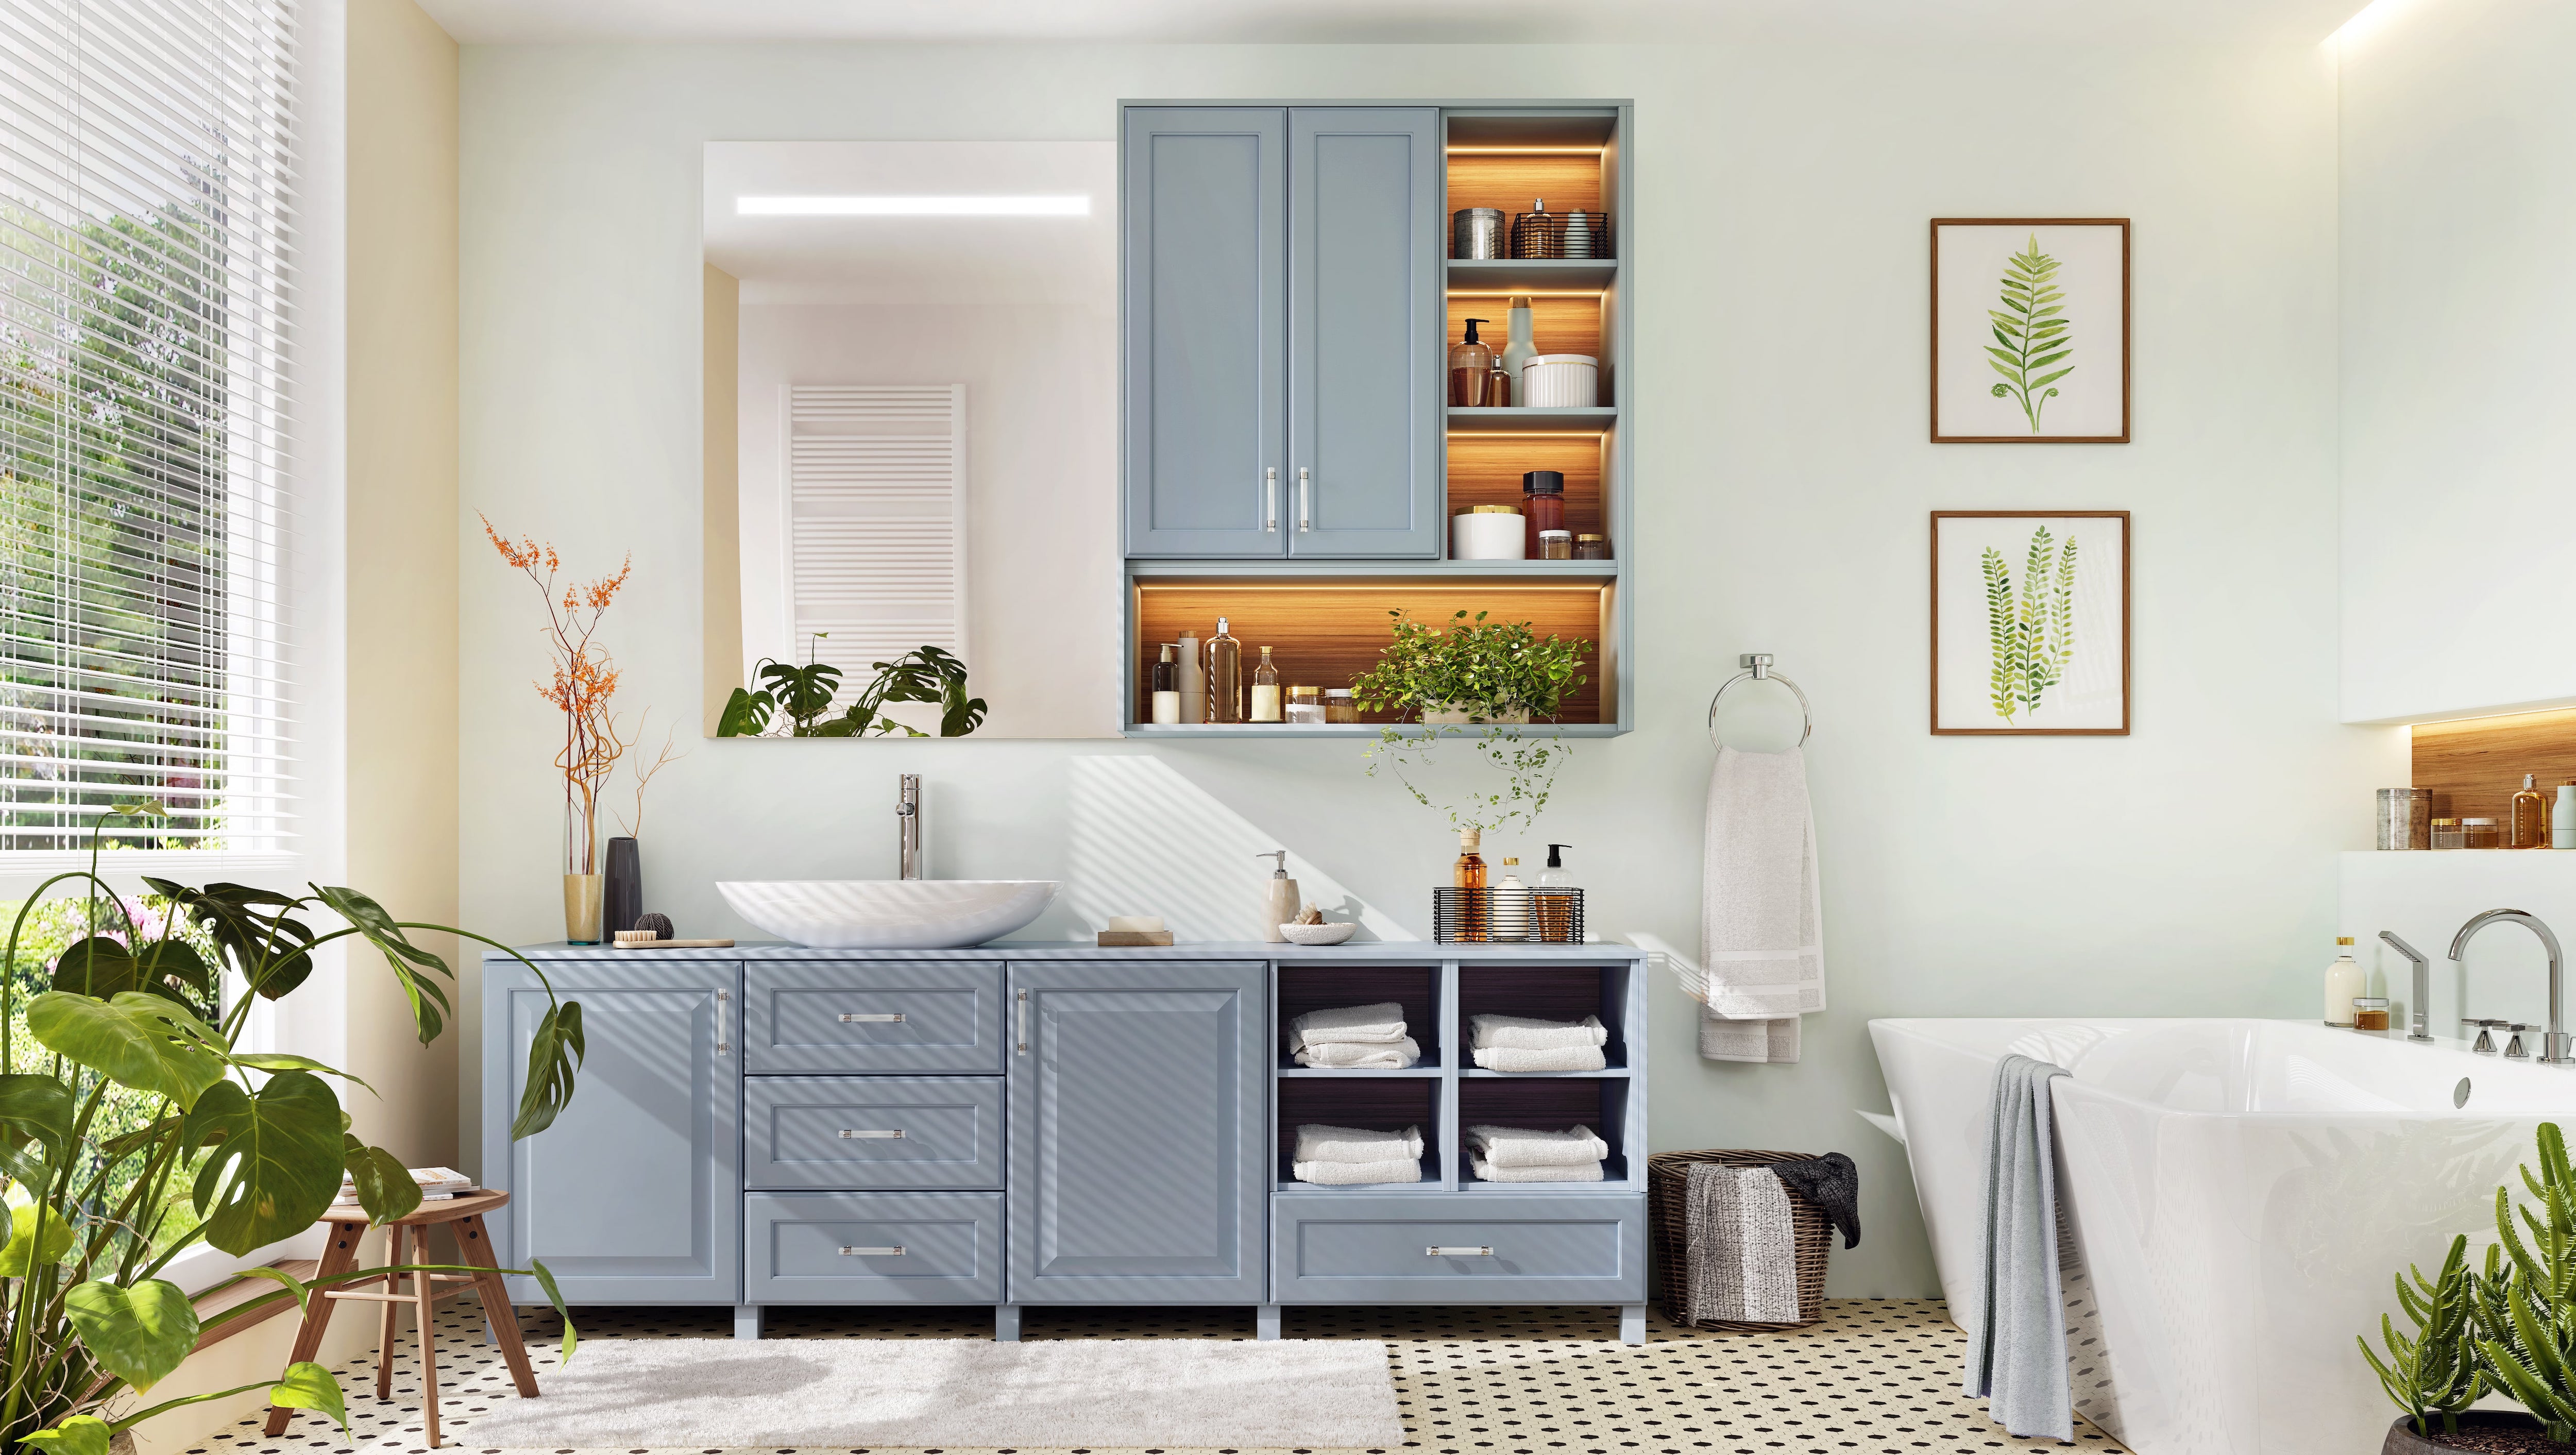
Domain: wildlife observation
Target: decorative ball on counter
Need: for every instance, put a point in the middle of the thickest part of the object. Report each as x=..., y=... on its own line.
x=659, y=924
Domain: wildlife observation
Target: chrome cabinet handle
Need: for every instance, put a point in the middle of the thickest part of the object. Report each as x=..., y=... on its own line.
x=1439, y=1252
x=1024, y=1022
x=849, y=1134
x=894, y=1252
x=880, y=1017
x=724, y=1042
x=1270, y=498
x=1305, y=498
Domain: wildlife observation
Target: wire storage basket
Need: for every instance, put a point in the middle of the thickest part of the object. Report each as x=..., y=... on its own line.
x=1538, y=916
x=1668, y=1215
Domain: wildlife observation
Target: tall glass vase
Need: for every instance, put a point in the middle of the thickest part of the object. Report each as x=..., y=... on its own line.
x=584, y=888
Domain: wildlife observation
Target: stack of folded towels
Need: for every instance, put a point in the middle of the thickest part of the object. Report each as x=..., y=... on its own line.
x=1517, y=1043
x=1522, y=1154
x=1354, y=1038
x=1344, y=1156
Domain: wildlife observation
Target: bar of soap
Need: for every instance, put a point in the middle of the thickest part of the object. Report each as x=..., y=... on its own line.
x=1142, y=924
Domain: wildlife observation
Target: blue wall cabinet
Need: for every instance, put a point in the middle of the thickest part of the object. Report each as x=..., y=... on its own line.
x=634, y=1194
x=1138, y=1125
x=1205, y=258
x=1364, y=374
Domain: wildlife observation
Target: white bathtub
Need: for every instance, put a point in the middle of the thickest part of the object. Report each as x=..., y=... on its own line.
x=2239, y=1193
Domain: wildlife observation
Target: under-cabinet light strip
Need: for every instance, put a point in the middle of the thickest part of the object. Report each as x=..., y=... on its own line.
x=1476, y=151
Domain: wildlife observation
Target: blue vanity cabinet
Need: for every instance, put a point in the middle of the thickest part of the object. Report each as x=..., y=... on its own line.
x=1139, y=1118
x=634, y=1194
x=1364, y=374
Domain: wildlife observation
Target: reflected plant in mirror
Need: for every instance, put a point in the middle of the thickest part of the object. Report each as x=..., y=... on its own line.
x=797, y=702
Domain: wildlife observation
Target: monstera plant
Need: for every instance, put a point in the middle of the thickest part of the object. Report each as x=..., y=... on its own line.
x=147, y=1028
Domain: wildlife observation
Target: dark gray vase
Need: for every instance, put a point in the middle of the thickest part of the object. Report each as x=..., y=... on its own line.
x=625, y=889
x=2402, y=1439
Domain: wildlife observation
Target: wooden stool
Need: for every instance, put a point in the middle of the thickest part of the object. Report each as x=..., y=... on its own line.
x=473, y=1242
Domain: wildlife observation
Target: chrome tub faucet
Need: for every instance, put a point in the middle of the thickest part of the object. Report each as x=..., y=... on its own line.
x=2553, y=1044
x=2416, y=1027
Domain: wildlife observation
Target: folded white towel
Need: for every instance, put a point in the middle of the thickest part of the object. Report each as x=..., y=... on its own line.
x=1520, y=1033
x=1319, y=1143
x=1563, y=1058
x=1363, y=1056
x=1348, y=1174
x=1586, y=1172
x=1383, y=1022
x=1530, y=1147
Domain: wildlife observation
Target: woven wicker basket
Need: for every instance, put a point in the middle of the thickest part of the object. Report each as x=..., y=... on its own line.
x=1668, y=1207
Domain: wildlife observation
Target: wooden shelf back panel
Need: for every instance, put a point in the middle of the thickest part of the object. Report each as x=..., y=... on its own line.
x=1557, y=326
x=1486, y=469
x=1512, y=181
x=1376, y=1103
x=2474, y=766
x=1332, y=987
x=1324, y=634
x=1550, y=1104
x=1549, y=993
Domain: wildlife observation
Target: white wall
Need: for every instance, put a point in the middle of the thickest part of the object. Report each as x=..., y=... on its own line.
x=1042, y=618
x=1783, y=477
x=2459, y=197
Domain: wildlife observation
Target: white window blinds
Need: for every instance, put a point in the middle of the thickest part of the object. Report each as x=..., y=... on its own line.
x=147, y=170
x=876, y=521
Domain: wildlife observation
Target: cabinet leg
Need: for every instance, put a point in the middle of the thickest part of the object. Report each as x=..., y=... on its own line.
x=746, y=1321
x=1265, y=1321
x=1632, y=1323
x=1006, y=1323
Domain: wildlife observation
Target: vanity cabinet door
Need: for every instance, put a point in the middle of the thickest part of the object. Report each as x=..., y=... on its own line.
x=1205, y=293
x=1364, y=362
x=634, y=1195
x=1138, y=1166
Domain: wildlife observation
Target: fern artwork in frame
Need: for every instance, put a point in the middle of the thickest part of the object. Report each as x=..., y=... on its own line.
x=2030, y=622
x=2030, y=330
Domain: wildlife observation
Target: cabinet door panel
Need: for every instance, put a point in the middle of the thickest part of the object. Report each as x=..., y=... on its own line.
x=634, y=1194
x=1205, y=195
x=1364, y=360
x=1137, y=1160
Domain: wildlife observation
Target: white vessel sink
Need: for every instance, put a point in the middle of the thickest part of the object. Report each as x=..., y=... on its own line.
x=889, y=914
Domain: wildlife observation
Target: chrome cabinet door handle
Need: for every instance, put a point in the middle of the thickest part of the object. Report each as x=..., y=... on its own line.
x=849, y=1134
x=1270, y=499
x=1440, y=1252
x=894, y=1252
x=724, y=1042
x=1024, y=1022
x=1305, y=498
x=885, y=1017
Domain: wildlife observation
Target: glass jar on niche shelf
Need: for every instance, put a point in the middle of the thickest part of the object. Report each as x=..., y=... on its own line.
x=2481, y=833
x=1340, y=705
x=1555, y=545
x=1306, y=704
x=2446, y=834
x=1591, y=548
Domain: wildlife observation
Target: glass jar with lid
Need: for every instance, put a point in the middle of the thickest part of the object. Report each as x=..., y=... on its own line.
x=2446, y=834
x=2481, y=833
x=1340, y=706
x=1555, y=545
x=1591, y=548
x=1306, y=704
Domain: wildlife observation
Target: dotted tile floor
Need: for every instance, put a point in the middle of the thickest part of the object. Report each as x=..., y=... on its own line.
x=1877, y=1375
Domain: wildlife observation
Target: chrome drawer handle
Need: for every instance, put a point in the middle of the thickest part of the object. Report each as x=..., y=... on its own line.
x=1024, y=1022
x=893, y=1252
x=872, y=1017
x=724, y=1042
x=1457, y=1252
x=848, y=1135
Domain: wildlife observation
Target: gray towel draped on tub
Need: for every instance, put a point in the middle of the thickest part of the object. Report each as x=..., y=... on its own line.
x=2017, y=1332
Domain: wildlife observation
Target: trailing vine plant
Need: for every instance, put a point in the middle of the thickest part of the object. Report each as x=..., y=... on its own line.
x=2030, y=332
x=1493, y=674
x=2032, y=636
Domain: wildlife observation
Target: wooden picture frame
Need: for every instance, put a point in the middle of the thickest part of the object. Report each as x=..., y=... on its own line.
x=1991, y=394
x=2069, y=625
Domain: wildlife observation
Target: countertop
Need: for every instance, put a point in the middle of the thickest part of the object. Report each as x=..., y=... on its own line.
x=1371, y=952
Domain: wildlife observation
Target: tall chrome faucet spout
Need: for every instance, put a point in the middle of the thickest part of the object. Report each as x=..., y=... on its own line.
x=2554, y=1046
x=907, y=821
x=2416, y=1022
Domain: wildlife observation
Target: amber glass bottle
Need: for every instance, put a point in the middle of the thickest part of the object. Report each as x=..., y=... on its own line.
x=1468, y=877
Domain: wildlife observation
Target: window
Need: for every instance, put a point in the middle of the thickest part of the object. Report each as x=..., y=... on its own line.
x=876, y=525
x=147, y=173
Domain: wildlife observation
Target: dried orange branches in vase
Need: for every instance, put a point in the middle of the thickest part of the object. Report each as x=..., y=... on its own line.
x=585, y=678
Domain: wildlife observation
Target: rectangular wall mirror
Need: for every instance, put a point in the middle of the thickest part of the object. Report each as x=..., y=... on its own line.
x=911, y=438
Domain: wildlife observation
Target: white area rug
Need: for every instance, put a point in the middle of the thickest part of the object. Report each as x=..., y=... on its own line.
x=970, y=1392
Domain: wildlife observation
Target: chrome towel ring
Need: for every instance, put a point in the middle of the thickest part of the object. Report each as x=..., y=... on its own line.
x=1757, y=667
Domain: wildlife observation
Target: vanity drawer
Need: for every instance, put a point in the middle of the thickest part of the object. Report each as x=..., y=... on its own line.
x=873, y=1015
x=872, y=1247
x=1544, y=1248
x=831, y=1132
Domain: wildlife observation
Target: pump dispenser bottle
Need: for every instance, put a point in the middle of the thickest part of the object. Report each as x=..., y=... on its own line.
x=1470, y=364
x=1278, y=898
x=2344, y=980
x=1551, y=919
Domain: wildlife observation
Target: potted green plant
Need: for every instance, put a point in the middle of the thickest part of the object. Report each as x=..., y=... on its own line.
x=797, y=699
x=1485, y=680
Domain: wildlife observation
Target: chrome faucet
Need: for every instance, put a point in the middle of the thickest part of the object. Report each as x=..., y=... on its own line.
x=2553, y=1045
x=907, y=821
x=2416, y=1027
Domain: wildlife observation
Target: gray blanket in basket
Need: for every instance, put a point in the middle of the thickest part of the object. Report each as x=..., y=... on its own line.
x=1743, y=1249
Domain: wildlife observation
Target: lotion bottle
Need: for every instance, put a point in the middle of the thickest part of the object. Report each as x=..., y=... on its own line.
x=1167, y=688
x=1278, y=898
x=1520, y=344
x=2344, y=981
x=1265, y=690
x=2562, y=817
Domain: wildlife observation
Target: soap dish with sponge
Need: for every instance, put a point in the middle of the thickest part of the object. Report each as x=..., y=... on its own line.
x=1310, y=929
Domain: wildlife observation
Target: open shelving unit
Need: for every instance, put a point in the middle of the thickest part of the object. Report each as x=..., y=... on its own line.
x=1447, y=1092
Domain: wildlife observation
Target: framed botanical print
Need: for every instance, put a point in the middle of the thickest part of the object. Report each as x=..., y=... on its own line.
x=2030, y=622
x=2030, y=330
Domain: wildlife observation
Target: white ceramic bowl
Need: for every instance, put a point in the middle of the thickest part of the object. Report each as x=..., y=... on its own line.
x=1326, y=934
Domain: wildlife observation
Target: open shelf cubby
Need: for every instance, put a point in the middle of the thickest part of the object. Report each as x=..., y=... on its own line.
x=1382, y=1103
x=1545, y=992
x=1304, y=988
x=1549, y=1104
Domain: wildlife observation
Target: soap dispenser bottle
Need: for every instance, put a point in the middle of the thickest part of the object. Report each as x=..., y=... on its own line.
x=1278, y=898
x=1552, y=915
x=1471, y=364
x=2343, y=982
x=2530, y=822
